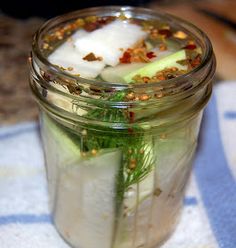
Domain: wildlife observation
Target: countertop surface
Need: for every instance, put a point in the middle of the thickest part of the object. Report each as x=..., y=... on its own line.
x=16, y=103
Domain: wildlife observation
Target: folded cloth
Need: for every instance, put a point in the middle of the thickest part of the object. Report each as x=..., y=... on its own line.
x=209, y=214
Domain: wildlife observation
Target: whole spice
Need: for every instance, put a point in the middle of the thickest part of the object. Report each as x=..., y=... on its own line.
x=91, y=57
x=180, y=35
x=165, y=32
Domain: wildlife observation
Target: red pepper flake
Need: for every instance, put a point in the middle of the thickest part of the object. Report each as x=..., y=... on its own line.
x=190, y=47
x=130, y=130
x=196, y=61
x=91, y=26
x=151, y=55
x=165, y=32
x=126, y=58
x=131, y=117
x=102, y=21
x=91, y=57
x=136, y=21
x=105, y=20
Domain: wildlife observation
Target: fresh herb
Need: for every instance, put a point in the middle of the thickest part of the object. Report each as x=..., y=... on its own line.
x=136, y=148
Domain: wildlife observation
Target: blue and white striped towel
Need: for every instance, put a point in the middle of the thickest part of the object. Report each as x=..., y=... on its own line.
x=209, y=216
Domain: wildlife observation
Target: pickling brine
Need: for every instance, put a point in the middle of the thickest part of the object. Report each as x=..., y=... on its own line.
x=121, y=92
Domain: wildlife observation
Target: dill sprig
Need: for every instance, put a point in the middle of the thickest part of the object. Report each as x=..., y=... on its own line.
x=143, y=157
x=136, y=148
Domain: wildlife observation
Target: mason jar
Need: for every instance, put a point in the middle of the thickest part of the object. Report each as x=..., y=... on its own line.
x=116, y=168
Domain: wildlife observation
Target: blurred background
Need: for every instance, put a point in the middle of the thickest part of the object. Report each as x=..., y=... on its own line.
x=48, y=9
x=20, y=19
x=210, y=210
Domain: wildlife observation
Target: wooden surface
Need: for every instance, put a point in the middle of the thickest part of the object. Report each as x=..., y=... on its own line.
x=16, y=103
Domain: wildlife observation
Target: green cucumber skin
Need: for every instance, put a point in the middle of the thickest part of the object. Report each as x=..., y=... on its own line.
x=116, y=74
x=151, y=69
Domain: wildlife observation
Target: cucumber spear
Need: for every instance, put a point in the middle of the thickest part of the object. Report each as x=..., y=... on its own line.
x=150, y=69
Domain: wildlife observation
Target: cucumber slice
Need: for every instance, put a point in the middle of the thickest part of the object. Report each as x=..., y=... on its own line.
x=67, y=56
x=116, y=74
x=108, y=40
x=59, y=149
x=150, y=69
x=59, y=141
x=82, y=190
x=85, y=212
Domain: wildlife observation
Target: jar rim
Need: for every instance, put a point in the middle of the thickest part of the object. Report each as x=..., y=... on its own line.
x=207, y=52
x=179, y=98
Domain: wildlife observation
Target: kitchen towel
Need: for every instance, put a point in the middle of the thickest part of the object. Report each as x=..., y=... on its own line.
x=209, y=215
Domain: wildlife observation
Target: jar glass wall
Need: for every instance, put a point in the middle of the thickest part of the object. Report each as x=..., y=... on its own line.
x=115, y=183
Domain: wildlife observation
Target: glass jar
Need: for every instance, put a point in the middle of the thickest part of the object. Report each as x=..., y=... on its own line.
x=115, y=183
